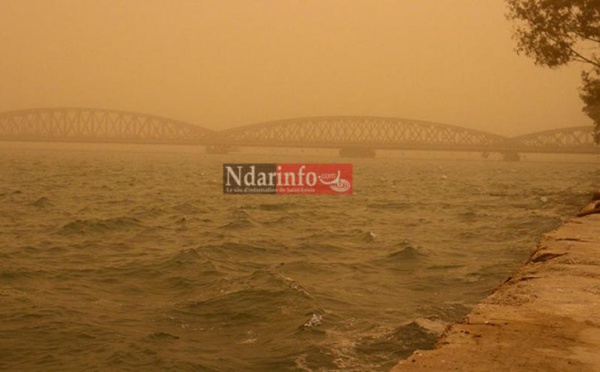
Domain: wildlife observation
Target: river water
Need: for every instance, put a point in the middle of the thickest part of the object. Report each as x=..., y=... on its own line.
x=117, y=257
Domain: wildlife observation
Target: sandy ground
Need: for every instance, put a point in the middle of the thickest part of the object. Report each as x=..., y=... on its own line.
x=546, y=317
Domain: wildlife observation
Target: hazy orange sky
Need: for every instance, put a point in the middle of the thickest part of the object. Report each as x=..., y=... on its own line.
x=226, y=63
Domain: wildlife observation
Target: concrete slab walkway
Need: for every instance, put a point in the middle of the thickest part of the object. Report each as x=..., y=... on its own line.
x=546, y=317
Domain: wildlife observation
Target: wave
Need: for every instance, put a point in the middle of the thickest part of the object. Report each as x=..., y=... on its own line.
x=450, y=312
x=400, y=342
x=145, y=211
x=259, y=298
x=240, y=224
x=42, y=202
x=407, y=253
x=287, y=220
x=184, y=271
x=276, y=207
x=188, y=208
x=101, y=226
x=19, y=273
x=390, y=205
x=328, y=234
x=240, y=219
x=373, y=349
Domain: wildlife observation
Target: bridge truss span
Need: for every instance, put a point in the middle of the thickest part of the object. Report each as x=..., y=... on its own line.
x=570, y=139
x=97, y=125
x=350, y=134
x=352, y=131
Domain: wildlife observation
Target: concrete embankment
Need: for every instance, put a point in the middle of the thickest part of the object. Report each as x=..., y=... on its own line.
x=546, y=317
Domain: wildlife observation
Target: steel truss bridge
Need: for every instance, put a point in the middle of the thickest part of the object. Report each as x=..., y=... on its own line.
x=97, y=125
x=340, y=132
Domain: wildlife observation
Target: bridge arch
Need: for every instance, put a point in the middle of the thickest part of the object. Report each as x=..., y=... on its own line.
x=361, y=131
x=579, y=138
x=77, y=124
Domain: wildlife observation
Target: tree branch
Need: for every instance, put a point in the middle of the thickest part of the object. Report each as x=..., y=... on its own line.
x=578, y=56
x=584, y=59
x=586, y=38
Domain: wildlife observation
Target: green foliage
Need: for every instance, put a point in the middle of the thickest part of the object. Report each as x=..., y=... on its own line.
x=557, y=32
x=590, y=94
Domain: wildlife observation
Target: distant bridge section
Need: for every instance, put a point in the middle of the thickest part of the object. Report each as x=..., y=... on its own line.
x=563, y=140
x=97, y=125
x=359, y=131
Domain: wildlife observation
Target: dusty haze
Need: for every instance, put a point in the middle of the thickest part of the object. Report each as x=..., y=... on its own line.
x=221, y=64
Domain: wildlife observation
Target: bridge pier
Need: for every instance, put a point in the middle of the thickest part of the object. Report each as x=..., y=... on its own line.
x=219, y=149
x=511, y=156
x=357, y=152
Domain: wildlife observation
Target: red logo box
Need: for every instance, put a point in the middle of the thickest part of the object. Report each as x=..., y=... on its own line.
x=335, y=179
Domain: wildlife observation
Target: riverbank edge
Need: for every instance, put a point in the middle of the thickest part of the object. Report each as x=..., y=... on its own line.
x=545, y=317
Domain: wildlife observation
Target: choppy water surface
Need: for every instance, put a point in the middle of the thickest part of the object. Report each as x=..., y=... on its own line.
x=117, y=258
